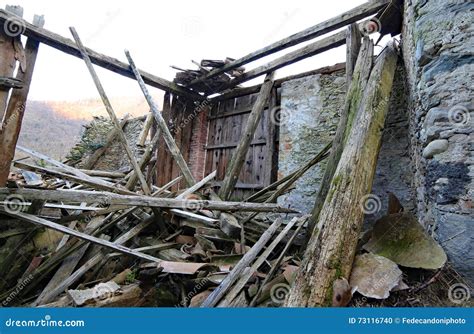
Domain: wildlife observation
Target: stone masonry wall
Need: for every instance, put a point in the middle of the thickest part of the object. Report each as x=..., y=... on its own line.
x=310, y=114
x=438, y=46
x=308, y=119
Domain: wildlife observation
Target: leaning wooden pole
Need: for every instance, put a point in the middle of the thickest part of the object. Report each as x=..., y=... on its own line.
x=168, y=137
x=351, y=105
x=330, y=254
x=238, y=159
x=110, y=111
x=13, y=118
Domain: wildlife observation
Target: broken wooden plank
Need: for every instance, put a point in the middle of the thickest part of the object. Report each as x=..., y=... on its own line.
x=238, y=286
x=65, y=282
x=238, y=157
x=330, y=253
x=111, y=112
x=90, y=182
x=43, y=222
x=277, y=262
x=320, y=29
x=146, y=128
x=146, y=157
x=222, y=289
x=74, y=171
x=99, y=292
x=66, y=45
x=353, y=44
x=140, y=201
x=168, y=137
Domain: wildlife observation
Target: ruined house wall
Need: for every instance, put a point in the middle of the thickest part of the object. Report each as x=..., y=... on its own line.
x=95, y=136
x=437, y=46
x=308, y=120
x=310, y=113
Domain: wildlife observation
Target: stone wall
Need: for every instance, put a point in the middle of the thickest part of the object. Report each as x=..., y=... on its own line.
x=309, y=115
x=394, y=171
x=438, y=44
x=114, y=158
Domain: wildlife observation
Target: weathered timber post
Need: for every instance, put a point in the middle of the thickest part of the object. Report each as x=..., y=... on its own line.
x=351, y=105
x=15, y=110
x=10, y=33
x=330, y=253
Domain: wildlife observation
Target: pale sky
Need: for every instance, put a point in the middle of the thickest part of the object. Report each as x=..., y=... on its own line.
x=163, y=33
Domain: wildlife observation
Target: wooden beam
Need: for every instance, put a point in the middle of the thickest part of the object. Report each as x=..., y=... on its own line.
x=110, y=111
x=10, y=130
x=78, y=174
x=351, y=105
x=239, y=285
x=320, y=29
x=173, y=148
x=75, y=179
x=146, y=128
x=146, y=157
x=9, y=36
x=353, y=43
x=330, y=253
x=46, y=223
x=64, y=281
x=307, y=51
x=67, y=46
x=238, y=157
x=78, y=196
x=221, y=290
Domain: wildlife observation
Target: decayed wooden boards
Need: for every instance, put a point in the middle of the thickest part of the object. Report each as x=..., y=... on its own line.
x=238, y=158
x=43, y=222
x=330, y=253
x=320, y=29
x=106, y=198
x=220, y=291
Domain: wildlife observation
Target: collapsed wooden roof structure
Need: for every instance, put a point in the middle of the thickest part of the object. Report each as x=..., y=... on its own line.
x=218, y=225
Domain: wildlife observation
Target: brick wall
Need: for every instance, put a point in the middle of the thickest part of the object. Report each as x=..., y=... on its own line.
x=197, y=154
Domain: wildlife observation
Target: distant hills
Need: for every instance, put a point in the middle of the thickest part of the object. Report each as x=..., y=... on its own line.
x=53, y=127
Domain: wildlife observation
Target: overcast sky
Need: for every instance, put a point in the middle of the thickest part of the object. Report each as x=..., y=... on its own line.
x=163, y=33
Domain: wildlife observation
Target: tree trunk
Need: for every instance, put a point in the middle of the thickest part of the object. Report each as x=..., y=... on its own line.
x=330, y=253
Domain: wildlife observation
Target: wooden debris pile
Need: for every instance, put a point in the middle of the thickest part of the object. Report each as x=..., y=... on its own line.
x=122, y=248
x=186, y=76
